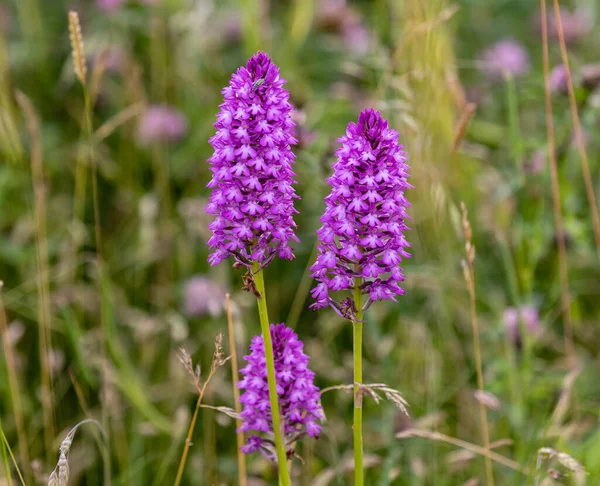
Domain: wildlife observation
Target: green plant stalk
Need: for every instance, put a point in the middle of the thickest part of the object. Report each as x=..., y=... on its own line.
x=242, y=481
x=302, y=20
x=13, y=385
x=188, y=439
x=357, y=350
x=12, y=456
x=259, y=281
x=251, y=26
x=42, y=270
x=514, y=376
x=7, y=471
x=301, y=292
x=98, y=239
x=513, y=124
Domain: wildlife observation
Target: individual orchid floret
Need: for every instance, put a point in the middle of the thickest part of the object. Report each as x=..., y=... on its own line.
x=252, y=183
x=361, y=240
x=299, y=398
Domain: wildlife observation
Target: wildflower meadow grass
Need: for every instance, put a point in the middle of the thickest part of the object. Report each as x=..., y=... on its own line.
x=299, y=242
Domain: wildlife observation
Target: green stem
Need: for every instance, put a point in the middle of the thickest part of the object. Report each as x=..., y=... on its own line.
x=98, y=239
x=284, y=475
x=358, y=437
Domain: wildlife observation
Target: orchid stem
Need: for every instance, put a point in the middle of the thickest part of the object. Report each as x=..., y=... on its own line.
x=284, y=475
x=357, y=349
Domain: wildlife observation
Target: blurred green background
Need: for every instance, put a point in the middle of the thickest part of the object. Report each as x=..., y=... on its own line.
x=107, y=342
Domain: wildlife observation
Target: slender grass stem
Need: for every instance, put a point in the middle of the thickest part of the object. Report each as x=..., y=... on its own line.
x=98, y=239
x=13, y=385
x=42, y=275
x=589, y=186
x=437, y=436
x=469, y=275
x=357, y=351
x=514, y=130
x=241, y=457
x=480, y=385
x=7, y=471
x=12, y=456
x=259, y=281
x=188, y=439
x=560, y=234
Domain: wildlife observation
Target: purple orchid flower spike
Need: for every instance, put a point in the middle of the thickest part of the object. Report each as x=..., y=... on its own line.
x=252, y=184
x=362, y=237
x=299, y=398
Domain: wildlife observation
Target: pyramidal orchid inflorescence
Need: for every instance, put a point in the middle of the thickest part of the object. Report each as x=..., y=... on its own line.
x=299, y=398
x=252, y=183
x=362, y=233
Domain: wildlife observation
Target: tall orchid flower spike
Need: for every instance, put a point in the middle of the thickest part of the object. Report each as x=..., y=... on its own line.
x=361, y=242
x=253, y=196
x=253, y=182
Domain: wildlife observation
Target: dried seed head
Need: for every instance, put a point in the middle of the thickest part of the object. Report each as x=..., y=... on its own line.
x=488, y=399
x=53, y=479
x=76, y=37
x=63, y=470
x=563, y=458
x=186, y=360
x=60, y=475
x=219, y=358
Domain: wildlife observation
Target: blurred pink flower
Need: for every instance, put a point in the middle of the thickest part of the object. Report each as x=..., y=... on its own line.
x=162, y=124
x=114, y=59
x=590, y=74
x=536, y=163
x=231, y=27
x=575, y=24
x=558, y=79
x=337, y=16
x=530, y=320
x=507, y=56
x=109, y=5
x=330, y=13
x=355, y=35
x=202, y=296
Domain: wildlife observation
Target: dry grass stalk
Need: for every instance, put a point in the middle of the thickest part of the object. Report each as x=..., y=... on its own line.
x=489, y=454
x=469, y=274
x=371, y=389
x=562, y=407
x=81, y=72
x=560, y=233
x=218, y=360
x=79, y=63
x=589, y=186
x=13, y=385
x=241, y=457
x=468, y=111
x=108, y=127
x=42, y=277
